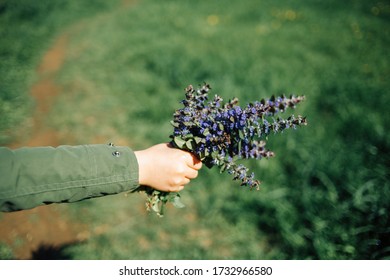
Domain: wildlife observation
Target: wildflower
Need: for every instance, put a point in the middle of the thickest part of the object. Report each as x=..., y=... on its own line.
x=221, y=133
x=218, y=128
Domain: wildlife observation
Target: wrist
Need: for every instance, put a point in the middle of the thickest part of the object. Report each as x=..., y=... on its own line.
x=142, y=164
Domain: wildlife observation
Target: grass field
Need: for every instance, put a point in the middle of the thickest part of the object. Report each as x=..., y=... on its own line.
x=326, y=194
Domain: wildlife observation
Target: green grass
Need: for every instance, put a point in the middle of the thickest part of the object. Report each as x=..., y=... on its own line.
x=326, y=193
x=27, y=28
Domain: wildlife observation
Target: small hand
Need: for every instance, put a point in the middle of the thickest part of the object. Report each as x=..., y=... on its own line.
x=165, y=168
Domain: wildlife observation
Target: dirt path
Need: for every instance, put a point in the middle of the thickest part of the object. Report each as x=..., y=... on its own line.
x=42, y=232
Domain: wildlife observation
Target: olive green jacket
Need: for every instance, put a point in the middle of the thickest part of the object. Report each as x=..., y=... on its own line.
x=30, y=177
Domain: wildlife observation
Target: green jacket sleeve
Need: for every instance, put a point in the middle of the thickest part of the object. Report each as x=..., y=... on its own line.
x=30, y=177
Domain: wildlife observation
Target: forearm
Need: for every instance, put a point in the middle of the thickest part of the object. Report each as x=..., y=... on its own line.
x=30, y=177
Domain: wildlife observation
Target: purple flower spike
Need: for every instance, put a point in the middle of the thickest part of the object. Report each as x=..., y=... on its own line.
x=221, y=133
x=216, y=131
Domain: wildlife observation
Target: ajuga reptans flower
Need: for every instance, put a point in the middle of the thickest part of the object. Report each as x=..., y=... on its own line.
x=220, y=133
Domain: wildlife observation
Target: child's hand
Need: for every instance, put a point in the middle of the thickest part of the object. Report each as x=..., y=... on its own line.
x=165, y=168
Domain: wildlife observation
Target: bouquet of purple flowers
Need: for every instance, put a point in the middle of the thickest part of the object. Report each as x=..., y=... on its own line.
x=220, y=133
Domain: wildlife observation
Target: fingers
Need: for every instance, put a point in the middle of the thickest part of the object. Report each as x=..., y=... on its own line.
x=165, y=168
x=182, y=178
x=191, y=173
x=186, y=181
x=192, y=161
x=179, y=181
x=177, y=184
x=175, y=189
x=193, y=164
x=197, y=164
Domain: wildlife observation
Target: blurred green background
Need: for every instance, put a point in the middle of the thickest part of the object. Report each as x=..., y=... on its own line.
x=120, y=75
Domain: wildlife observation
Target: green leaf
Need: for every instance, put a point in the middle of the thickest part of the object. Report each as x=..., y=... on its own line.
x=180, y=143
x=175, y=124
x=191, y=145
x=156, y=207
x=223, y=168
x=241, y=134
x=189, y=136
x=176, y=201
x=198, y=139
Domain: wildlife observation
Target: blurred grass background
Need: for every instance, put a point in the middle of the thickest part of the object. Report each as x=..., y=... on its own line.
x=326, y=193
